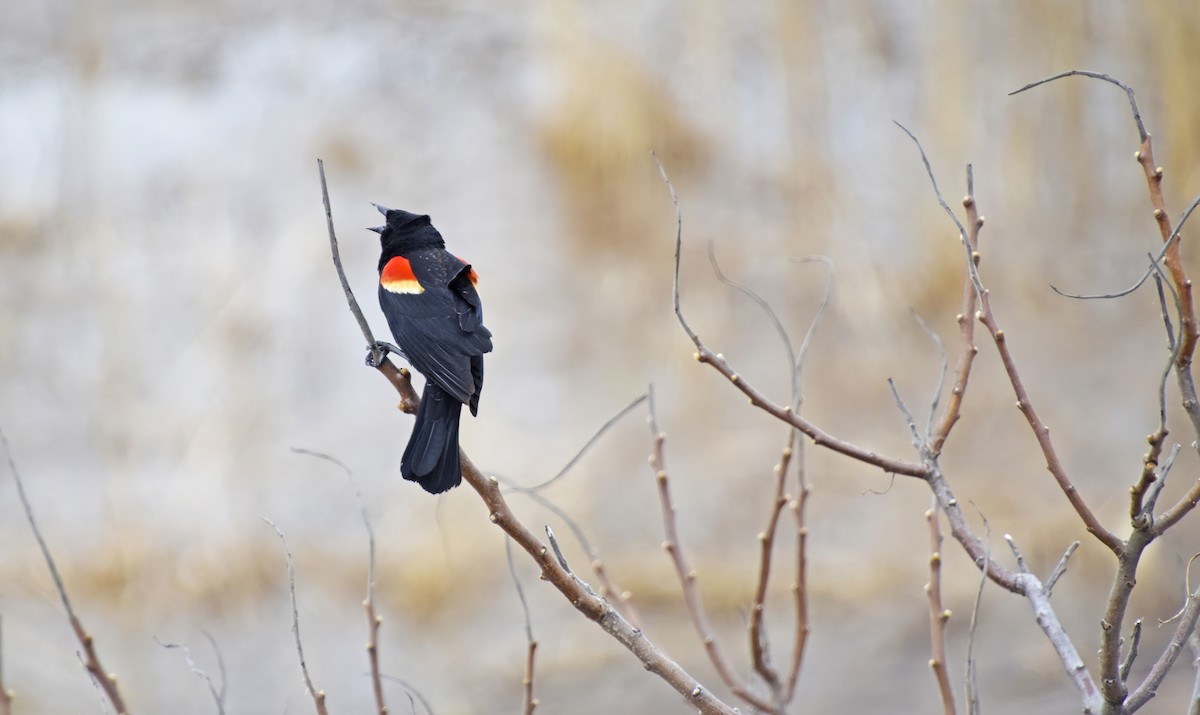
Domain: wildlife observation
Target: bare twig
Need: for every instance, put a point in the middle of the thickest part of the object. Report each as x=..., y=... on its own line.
x=373, y=621
x=687, y=575
x=218, y=695
x=759, y=652
x=1131, y=655
x=531, y=702
x=1158, y=672
x=972, y=681
x=937, y=392
x=1194, y=644
x=766, y=309
x=938, y=614
x=786, y=413
x=410, y=691
x=1163, y=253
x=1044, y=614
x=793, y=450
x=587, y=446
x=966, y=326
x=1060, y=568
x=105, y=681
x=1137, y=116
x=220, y=664
x=318, y=696
x=917, y=442
x=800, y=585
x=377, y=358
x=6, y=696
x=572, y=588
x=1024, y=403
x=609, y=589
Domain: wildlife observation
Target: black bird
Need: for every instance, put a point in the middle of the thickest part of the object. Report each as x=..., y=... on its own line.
x=436, y=317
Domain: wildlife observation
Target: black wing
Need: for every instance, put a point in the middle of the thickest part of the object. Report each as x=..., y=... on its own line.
x=440, y=332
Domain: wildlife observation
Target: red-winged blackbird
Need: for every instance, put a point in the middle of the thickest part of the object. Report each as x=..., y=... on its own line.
x=435, y=314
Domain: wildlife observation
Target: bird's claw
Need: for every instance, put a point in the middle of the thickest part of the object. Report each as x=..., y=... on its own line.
x=378, y=352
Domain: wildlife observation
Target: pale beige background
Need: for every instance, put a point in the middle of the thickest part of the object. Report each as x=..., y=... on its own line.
x=171, y=326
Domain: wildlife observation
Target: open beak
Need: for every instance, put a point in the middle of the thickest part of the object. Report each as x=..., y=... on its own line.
x=382, y=209
x=376, y=229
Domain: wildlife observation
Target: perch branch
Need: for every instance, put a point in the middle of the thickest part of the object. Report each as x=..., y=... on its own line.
x=399, y=377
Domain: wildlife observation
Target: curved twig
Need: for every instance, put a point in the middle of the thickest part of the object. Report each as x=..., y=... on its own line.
x=1137, y=115
x=106, y=682
x=584, y=449
x=531, y=702
x=318, y=696
x=373, y=621
x=1024, y=403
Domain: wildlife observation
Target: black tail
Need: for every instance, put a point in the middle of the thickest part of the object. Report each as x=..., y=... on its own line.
x=431, y=457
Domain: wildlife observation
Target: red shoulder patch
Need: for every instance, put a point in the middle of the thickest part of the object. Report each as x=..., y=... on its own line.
x=398, y=277
x=471, y=275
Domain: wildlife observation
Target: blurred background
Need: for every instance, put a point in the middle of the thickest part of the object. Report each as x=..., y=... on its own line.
x=171, y=326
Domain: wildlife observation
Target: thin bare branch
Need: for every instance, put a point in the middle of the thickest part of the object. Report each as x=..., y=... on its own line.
x=971, y=684
x=6, y=696
x=1060, y=568
x=938, y=614
x=937, y=392
x=217, y=695
x=1131, y=655
x=318, y=696
x=800, y=586
x=530, y=702
x=1046, y=618
x=587, y=446
x=1158, y=672
x=105, y=681
x=822, y=306
x=966, y=326
x=373, y=621
x=1194, y=644
x=765, y=307
x=759, y=650
x=917, y=442
x=1040, y=430
x=410, y=691
x=337, y=263
x=609, y=588
x=786, y=414
x=1168, y=245
x=1137, y=115
x=1163, y=470
x=687, y=575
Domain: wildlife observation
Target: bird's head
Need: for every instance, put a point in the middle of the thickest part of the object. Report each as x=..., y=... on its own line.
x=404, y=232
